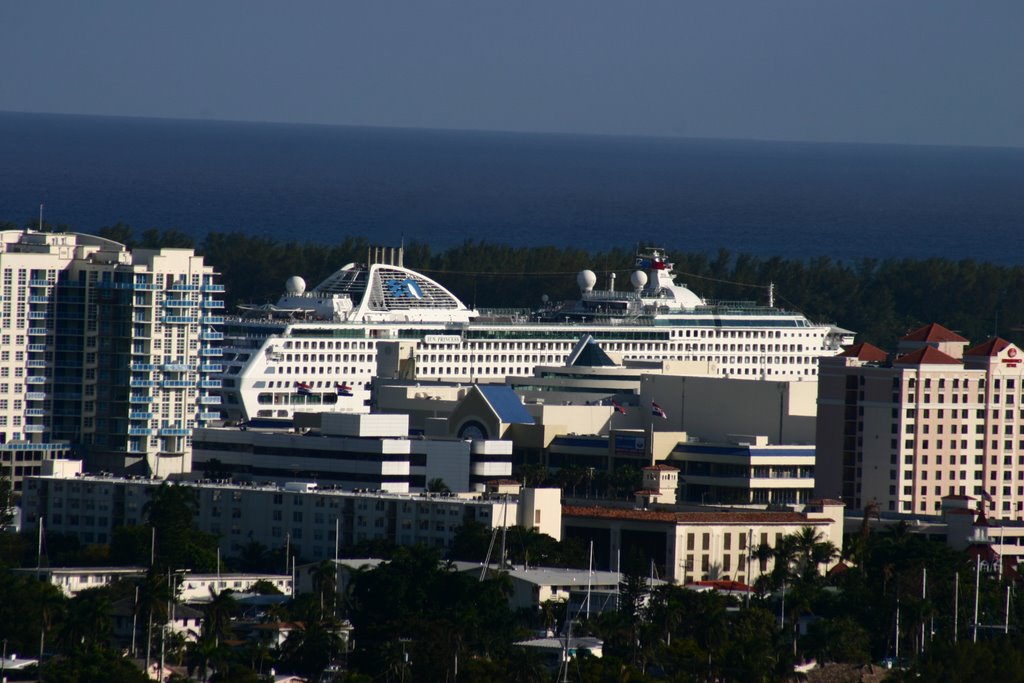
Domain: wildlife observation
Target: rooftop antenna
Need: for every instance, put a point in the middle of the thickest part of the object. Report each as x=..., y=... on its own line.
x=40, y=216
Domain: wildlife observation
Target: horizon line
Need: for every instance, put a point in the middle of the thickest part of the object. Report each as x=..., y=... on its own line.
x=496, y=131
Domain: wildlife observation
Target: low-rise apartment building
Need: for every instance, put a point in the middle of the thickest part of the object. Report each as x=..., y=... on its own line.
x=693, y=546
x=311, y=518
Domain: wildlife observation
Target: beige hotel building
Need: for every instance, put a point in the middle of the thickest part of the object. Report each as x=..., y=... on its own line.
x=935, y=418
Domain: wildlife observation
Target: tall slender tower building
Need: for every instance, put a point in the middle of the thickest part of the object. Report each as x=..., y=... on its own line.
x=105, y=352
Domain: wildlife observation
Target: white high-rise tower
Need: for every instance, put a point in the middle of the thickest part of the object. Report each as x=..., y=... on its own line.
x=104, y=350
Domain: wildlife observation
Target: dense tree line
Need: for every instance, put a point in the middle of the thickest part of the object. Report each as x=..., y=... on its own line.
x=879, y=298
x=416, y=617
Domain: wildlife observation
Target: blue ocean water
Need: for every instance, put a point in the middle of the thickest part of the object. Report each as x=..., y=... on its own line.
x=322, y=183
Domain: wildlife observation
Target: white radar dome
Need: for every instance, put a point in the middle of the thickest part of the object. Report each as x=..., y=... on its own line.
x=586, y=280
x=295, y=285
x=639, y=279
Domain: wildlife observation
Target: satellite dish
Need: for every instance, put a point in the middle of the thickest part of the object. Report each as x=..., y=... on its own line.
x=639, y=279
x=586, y=280
x=295, y=285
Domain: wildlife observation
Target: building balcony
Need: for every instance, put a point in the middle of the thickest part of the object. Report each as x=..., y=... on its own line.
x=38, y=315
x=142, y=367
x=35, y=396
x=39, y=283
x=174, y=431
x=212, y=288
x=144, y=383
x=211, y=352
x=207, y=416
x=176, y=319
x=140, y=399
x=39, y=299
x=34, y=429
x=36, y=412
x=39, y=363
x=209, y=400
x=36, y=347
x=213, y=320
x=176, y=367
x=211, y=336
x=178, y=303
x=784, y=482
x=212, y=303
x=140, y=431
x=37, y=331
x=176, y=384
x=209, y=384
x=140, y=416
x=35, y=379
x=211, y=367
x=184, y=288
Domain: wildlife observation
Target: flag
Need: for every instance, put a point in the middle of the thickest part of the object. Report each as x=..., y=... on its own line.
x=618, y=408
x=343, y=389
x=303, y=389
x=985, y=496
x=658, y=411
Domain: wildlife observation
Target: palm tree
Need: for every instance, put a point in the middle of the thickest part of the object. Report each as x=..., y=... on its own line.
x=154, y=596
x=217, y=614
x=313, y=646
x=325, y=578
x=811, y=550
x=437, y=486
x=200, y=653
x=87, y=621
x=526, y=666
x=762, y=553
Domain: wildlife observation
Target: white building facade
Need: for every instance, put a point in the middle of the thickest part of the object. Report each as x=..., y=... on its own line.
x=310, y=519
x=105, y=351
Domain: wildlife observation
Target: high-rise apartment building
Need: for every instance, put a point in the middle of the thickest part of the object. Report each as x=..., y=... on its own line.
x=931, y=420
x=105, y=351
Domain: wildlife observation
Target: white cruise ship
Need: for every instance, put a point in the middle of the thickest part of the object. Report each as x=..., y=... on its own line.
x=317, y=349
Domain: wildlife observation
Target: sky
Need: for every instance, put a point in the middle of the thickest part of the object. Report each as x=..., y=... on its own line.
x=880, y=71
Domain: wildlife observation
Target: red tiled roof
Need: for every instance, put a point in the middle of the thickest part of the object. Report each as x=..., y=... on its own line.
x=739, y=517
x=864, y=351
x=933, y=333
x=838, y=569
x=986, y=552
x=992, y=347
x=929, y=355
x=665, y=468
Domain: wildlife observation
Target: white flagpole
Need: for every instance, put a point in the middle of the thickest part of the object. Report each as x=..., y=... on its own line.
x=977, y=585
